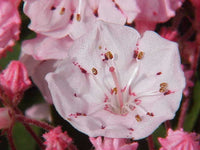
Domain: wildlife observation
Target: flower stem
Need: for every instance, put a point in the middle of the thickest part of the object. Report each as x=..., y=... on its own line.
x=167, y=124
x=23, y=119
x=150, y=142
x=183, y=113
x=10, y=139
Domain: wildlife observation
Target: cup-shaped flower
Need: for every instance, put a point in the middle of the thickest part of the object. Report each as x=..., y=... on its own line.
x=179, y=140
x=118, y=84
x=9, y=24
x=5, y=120
x=14, y=79
x=103, y=143
x=56, y=139
x=75, y=17
x=155, y=11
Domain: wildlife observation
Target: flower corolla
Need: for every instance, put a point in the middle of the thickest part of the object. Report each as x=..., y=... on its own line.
x=118, y=84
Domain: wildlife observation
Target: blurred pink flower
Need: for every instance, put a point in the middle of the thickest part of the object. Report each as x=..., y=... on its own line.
x=103, y=143
x=169, y=34
x=179, y=140
x=9, y=24
x=155, y=11
x=76, y=17
x=5, y=120
x=189, y=83
x=118, y=84
x=39, y=111
x=56, y=139
x=14, y=79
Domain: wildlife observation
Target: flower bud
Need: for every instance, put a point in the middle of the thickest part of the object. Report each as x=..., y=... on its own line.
x=56, y=139
x=14, y=80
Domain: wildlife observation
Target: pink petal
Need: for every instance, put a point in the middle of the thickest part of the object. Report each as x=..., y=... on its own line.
x=103, y=143
x=38, y=70
x=42, y=47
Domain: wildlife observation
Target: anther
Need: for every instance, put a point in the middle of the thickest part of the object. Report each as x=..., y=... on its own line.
x=163, y=85
x=138, y=118
x=62, y=11
x=78, y=17
x=94, y=71
x=108, y=55
x=114, y=90
x=140, y=55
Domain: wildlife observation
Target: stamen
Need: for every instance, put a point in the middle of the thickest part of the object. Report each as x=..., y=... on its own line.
x=78, y=16
x=119, y=93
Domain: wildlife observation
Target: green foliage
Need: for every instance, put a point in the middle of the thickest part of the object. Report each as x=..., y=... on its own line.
x=23, y=140
x=12, y=55
x=193, y=112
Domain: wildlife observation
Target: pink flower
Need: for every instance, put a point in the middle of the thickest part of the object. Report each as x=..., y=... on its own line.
x=9, y=24
x=179, y=140
x=118, y=84
x=75, y=17
x=56, y=139
x=103, y=143
x=169, y=34
x=155, y=11
x=14, y=79
x=5, y=120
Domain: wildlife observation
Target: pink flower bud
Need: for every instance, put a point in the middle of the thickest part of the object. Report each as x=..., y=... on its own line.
x=56, y=139
x=14, y=79
x=5, y=119
x=179, y=140
x=101, y=143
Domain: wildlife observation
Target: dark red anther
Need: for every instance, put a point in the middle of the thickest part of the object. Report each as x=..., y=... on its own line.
x=158, y=73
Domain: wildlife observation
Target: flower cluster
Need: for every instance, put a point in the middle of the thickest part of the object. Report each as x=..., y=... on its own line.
x=114, y=70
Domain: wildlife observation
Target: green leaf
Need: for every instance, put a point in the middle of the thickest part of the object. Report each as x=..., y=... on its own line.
x=11, y=55
x=23, y=140
x=193, y=112
x=159, y=132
